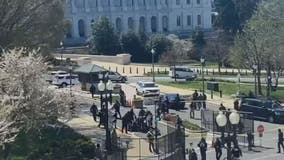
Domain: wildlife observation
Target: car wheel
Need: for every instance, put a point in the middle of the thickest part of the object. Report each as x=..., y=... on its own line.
x=63, y=85
x=123, y=80
x=271, y=119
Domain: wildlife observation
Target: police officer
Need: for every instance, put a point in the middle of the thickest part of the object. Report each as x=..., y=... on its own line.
x=93, y=90
x=94, y=111
x=218, y=149
x=116, y=107
x=280, y=141
x=150, y=136
x=203, y=148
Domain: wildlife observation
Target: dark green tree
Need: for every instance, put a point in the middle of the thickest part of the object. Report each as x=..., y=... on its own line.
x=105, y=40
x=31, y=23
x=245, y=9
x=133, y=44
x=198, y=38
x=160, y=43
x=228, y=17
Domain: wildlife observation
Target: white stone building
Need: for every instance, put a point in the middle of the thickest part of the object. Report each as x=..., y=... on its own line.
x=150, y=16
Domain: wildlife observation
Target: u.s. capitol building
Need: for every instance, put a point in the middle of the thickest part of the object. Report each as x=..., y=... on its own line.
x=149, y=16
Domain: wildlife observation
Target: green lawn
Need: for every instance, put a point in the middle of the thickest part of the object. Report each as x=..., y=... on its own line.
x=227, y=88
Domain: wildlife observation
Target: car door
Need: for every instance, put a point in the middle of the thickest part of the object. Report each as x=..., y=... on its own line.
x=112, y=76
x=258, y=109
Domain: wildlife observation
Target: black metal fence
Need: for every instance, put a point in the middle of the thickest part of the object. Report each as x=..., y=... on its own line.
x=246, y=124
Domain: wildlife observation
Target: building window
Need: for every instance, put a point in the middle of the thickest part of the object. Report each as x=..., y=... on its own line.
x=177, y=2
x=165, y=22
x=130, y=24
x=198, y=1
x=81, y=28
x=118, y=25
x=187, y=1
x=189, y=20
x=154, y=24
x=198, y=19
x=178, y=21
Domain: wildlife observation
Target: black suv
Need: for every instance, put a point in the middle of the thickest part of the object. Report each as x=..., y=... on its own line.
x=269, y=110
x=175, y=101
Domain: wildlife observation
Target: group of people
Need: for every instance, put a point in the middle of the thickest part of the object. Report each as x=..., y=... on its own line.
x=198, y=103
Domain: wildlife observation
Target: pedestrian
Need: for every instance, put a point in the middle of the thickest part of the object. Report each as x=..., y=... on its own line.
x=203, y=148
x=92, y=90
x=250, y=139
x=122, y=98
x=280, y=141
x=94, y=111
x=179, y=122
x=150, y=137
x=199, y=101
x=189, y=151
x=114, y=119
x=204, y=98
x=125, y=122
x=177, y=101
x=222, y=107
x=236, y=105
x=192, y=110
x=236, y=153
x=218, y=148
x=194, y=155
x=149, y=119
x=101, y=115
x=116, y=107
x=194, y=98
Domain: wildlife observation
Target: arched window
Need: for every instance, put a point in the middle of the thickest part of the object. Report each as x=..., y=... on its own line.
x=130, y=23
x=142, y=24
x=154, y=24
x=118, y=25
x=81, y=28
x=165, y=22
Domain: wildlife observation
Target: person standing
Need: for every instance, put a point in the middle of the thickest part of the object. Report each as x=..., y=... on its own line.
x=236, y=105
x=179, y=122
x=218, y=149
x=250, y=138
x=194, y=98
x=122, y=97
x=94, y=111
x=116, y=107
x=199, y=101
x=222, y=107
x=193, y=155
x=192, y=110
x=280, y=141
x=203, y=148
x=101, y=115
x=150, y=137
x=125, y=121
x=92, y=90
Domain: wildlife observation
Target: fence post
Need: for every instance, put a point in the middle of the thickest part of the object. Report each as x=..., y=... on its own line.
x=165, y=70
x=130, y=70
x=116, y=69
x=212, y=94
x=137, y=72
x=221, y=94
x=123, y=69
x=144, y=70
x=246, y=72
x=233, y=72
x=206, y=71
x=213, y=72
x=109, y=68
x=151, y=71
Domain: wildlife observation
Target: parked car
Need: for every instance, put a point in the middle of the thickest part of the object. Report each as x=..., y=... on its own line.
x=51, y=75
x=182, y=72
x=175, y=101
x=147, y=88
x=116, y=77
x=269, y=110
x=66, y=79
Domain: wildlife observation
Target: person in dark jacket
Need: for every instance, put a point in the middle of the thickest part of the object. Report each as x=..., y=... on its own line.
x=94, y=111
x=193, y=155
x=222, y=107
x=280, y=141
x=125, y=122
x=192, y=110
x=102, y=117
x=204, y=98
x=122, y=98
x=237, y=152
x=218, y=149
x=116, y=107
x=203, y=148
x=92, y=90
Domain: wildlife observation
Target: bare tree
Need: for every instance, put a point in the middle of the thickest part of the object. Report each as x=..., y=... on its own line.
x=31, y=23
x=26, y=102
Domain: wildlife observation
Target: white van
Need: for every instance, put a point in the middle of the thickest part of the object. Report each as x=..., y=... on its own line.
x=182, y=72
x=66, y=79
x=51, y=75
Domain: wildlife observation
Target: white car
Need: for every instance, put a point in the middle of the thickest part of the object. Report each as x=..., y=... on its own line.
x=66, y=79
x=182, y=72
x=116, y=77
x=147, y=88
x=51, y=75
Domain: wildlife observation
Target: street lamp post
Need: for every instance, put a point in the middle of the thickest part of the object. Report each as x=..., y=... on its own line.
x=255, y=87
x=221, y=121
x=239, y=83
x=62, y=48
x=202, y=60
x=70, y=78
x=153, y=67
x=106, y=87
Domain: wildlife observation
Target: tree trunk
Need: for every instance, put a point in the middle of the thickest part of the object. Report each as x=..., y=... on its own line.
x=219, y=67
x=259, y=90
x=268, y=85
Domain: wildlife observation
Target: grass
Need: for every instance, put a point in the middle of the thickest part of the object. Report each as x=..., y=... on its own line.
x=227, y=88
x=191, y=126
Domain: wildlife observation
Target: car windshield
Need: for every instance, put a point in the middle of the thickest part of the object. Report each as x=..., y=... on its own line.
x=273, y=105
x=147, y=85
x=171, y=97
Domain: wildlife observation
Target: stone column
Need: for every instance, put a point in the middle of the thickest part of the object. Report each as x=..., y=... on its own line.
x=75, y=27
